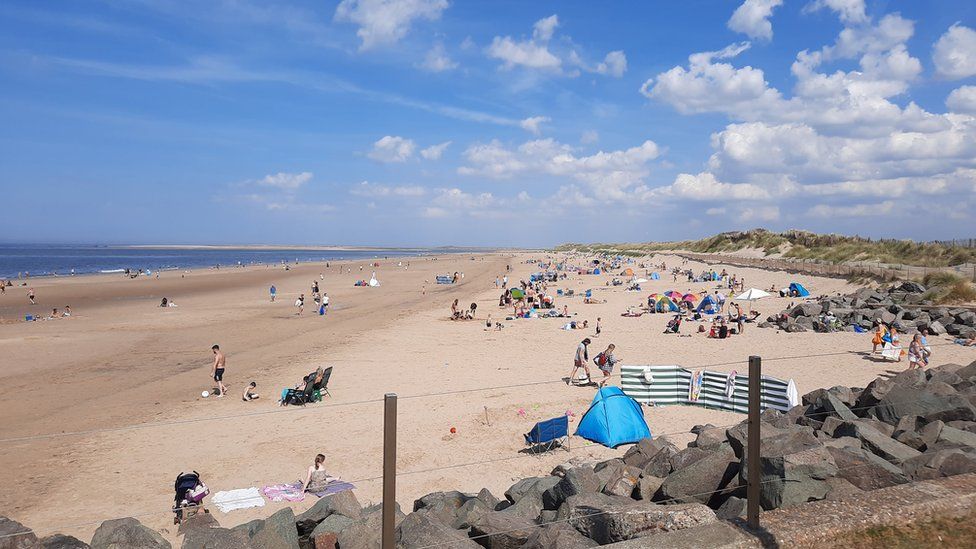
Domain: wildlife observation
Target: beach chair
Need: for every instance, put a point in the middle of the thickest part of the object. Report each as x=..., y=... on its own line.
x=548, y=434
x=323, y=388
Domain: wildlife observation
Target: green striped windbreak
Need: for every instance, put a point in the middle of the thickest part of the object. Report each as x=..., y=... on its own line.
x=671, y=384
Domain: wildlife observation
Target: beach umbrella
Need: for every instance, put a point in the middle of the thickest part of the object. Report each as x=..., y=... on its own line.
x=691, y=298
x=752, y=294
x=673, y=294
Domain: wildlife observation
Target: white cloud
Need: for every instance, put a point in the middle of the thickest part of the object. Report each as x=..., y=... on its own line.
x=532, y=124
x=589, y=137
x=437, y=60
x=704, y=186
x=759, y=213
x=858, y=210
x=454, y=202
x=962, y=100
x=607, y=174
x=614, y=64
x=392, y=148
x=434, y=152
x=386, y=21
x=286, y=181
x=373, y=190
x=954, y=54
x=752, y=18
x=541, y=53
x=849, y=11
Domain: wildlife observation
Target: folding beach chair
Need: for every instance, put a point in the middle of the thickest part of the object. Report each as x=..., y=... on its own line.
x=548, y=434
x=323, y=388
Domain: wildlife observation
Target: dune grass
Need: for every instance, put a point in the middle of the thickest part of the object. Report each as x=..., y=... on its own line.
x=949, y=531
x=806, y=245
x=947, y=288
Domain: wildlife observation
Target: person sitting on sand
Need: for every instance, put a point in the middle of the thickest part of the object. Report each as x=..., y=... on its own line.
x=455, y=313
x=753, y=316
x=249, y=393
x=966, y=342
x=67, y=311
x=316, y=479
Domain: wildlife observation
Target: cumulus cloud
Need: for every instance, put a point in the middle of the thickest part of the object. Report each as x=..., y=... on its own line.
x=286, y=181
x=532, y=124
x=437, y=60
x=849, y=11
x=705, y=186
x=962, y=100
x=607, y=174
x=372, y=190
x=954, y=54
x=857, y=210
x=538, y=53
x=434, y=152
x=453, y=202
x=392, y=148
x=386, y=21
x=752, y=18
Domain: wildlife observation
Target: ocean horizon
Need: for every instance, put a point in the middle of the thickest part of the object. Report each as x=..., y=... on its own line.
x=18, y=261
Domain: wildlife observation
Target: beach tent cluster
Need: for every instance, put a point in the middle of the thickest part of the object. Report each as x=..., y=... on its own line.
x=707, y=306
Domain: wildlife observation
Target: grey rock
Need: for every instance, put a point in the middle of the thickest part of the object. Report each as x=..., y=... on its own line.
x=333, y=524
x=533, y=486
x=59, y=541
x=277, y=531
x=422, y=529
x=924, y=402
x=443, y=506
x=843, y=442
x=202, y=531
x=958, y=437
x=127, y=532
x=939, y=463
x=623, y=482
x=876, y=442
x=930, y=432
x=343, y=503
x=936, y=328
x=500, y=530
x=652, y=455
x=620, y=521
x=580, y=480
x=708, y=435
x=733, y=507
x=866, y=470
x=558, y=536
x=16, y=535
x=366, y=532
x=469, y=512
x=647, y=487
x=703, y=481
x=794, y=467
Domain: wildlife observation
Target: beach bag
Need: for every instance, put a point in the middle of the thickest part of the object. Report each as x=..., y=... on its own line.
x=197, y=494
x=321, y=310
x=298, y=302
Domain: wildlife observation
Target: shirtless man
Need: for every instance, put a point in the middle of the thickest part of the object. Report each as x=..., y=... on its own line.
x=218, y=370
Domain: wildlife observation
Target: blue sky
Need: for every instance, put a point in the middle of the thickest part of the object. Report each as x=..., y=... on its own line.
x=437, y=122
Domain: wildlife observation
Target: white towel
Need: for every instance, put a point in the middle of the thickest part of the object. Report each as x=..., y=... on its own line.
x=242, y=498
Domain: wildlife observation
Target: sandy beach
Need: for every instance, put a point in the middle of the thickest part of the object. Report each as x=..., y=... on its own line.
x=133, y=373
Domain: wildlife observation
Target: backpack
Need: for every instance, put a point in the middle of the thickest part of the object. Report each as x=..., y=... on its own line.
x=600, y=359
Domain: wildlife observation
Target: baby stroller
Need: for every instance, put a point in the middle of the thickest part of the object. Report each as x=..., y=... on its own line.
x=190, y=491
x=673, y=325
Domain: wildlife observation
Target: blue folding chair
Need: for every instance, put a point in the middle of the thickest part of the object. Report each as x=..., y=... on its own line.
x=546, y=435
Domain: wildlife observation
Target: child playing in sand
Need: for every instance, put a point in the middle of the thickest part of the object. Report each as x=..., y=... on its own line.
x=249, y=393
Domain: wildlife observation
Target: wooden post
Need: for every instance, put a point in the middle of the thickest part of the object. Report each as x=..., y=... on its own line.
x=389, y=469
x=755, y=399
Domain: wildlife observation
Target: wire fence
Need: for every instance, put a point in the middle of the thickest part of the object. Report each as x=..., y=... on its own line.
x=327, y=406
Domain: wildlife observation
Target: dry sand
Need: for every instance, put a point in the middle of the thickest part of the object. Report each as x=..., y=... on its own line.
x=123, y=361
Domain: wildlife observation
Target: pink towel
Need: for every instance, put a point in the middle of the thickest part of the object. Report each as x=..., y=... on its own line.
x=284, y=492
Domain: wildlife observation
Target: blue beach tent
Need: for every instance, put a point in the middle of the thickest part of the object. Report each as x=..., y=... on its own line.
x=797, y=289
x=655, y=276
x=613, y=419
x=708, y=305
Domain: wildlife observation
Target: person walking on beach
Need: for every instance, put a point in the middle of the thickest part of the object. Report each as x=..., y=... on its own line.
x=879, y=336
x=606, y=361
x=598, y=327
x=581, y=361
x=217, y=371
x=300, y=303
x=30, y=295
x=274, y=292
x=505, y=282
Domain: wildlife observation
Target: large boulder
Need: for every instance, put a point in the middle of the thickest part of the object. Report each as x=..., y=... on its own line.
x=707, y=480
x=443, y=506
x=15, y=535
x=59, y=541
x=343, y=503
x=733, y=507
x=277, y=531
x=500, y=530
x=333, y=525
x=532, y=486
x=647, y=486
x=623, y=481
x=866, y=470
x=956, y=437
x=793, y=467
x=925, y=402
x=469, y=512
x=623, y=519
x=367, y=531
x=128, y=532
x=202, y=531
x=939, y=463
x=422, y=529
x=558, y=536
x=580, y=480
x=876, y=442
x=871, y=396
x=652, y=455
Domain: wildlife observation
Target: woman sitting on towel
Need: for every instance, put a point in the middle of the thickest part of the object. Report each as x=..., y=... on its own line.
x=317, y=479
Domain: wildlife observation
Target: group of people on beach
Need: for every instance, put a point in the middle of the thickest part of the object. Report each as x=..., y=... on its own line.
x=887, y=337
x=604, y=361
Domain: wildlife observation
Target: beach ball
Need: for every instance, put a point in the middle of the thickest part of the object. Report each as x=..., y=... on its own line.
x=205, y=394
x=453, y=431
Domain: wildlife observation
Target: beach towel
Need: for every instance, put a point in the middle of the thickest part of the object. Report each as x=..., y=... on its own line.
x=334, y=487
x=243, y=498
x=284, y=492
x=891, y=352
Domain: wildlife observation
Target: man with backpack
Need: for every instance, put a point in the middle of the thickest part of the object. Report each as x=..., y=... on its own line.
x=605, y=361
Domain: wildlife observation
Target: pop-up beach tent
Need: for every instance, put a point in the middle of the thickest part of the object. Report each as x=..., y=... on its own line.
x=517, y=293
x=798, y=290
x=655, y=276
x=627, y=272
x=707, y=305
x=613, y=419
x=666, y=304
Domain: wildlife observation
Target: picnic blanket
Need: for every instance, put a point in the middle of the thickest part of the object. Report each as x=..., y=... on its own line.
x=284, y=492
x=242, y=498
x=334, y=487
